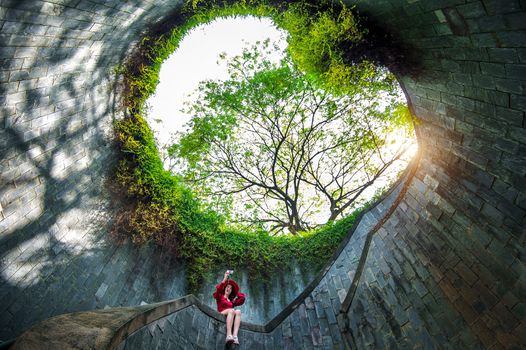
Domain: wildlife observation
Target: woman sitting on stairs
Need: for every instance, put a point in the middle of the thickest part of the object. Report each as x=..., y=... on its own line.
x=227, y=296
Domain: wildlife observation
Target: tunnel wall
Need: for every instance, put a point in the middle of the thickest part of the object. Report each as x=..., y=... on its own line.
x=308, y=322
x=58, y=99
x=454, y=248
x=450, y=263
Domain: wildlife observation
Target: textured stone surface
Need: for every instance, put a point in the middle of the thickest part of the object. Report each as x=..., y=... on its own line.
x=58, y=98
x=439, y=269
x=57, y=102
x=447, y=268
x=100, y=329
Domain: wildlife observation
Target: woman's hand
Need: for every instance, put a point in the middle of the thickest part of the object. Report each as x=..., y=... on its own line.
x=227, y=273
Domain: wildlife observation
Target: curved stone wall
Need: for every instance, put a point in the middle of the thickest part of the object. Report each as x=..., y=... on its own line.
x=311, y=320
x=449, y=264
x=457, y=239
x=264, y=300
x=58, y=99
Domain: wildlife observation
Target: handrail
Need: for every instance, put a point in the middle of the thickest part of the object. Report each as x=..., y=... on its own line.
x=99, y=329
x=272, y=324
x=361, y=265
x=108, y=328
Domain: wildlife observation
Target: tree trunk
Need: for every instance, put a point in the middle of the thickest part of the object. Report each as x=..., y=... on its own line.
x=294, y=220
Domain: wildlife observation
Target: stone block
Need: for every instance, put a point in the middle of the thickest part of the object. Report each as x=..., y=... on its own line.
x=442, y=29
x=320, y=311
x=484, y=40
x=492, y=214
x=490, y=99
x=469, y=67
x=505, y=190
x=316, y=337
x=466, y=103
x=7, y=52
x=509, y=115
x=483, y=81
x=304, y=326
x=511, y=39
x=493, y=69
x=509, y=85
x=420, y=288
x=466, y=274
x=519, y=310
x=522, y=54
x=450, y=65
x=312, y=318
x=101, y=291
x=471, y=10
x=11, y=64
x=515, y=21
x=455, y=88
x=516, y=71
x=512, y=212
x=506, y=319
x=309, y=304
x=518, y=102
x=503, y=55
x=518, y=134
x=492, y=24
x=432, y=94
x=497, y=7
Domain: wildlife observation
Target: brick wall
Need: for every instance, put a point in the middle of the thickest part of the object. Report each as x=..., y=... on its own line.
x=57, y=101
x=450, y=264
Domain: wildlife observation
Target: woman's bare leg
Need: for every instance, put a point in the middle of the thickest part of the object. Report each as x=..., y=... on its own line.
x=229, y=313
x=237, y=321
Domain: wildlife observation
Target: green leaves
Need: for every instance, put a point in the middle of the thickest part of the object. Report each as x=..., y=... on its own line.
x=270, y=136
x=316, y=41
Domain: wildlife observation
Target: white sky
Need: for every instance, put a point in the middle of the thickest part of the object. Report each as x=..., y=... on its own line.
x=196, y=60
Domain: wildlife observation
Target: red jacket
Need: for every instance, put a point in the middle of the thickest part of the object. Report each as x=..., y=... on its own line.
x=235, y=299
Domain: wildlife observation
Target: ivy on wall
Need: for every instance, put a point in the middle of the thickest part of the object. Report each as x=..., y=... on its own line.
x=162, y=209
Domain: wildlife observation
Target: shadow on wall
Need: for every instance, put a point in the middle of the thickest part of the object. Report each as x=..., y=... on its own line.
x=58, y=96
x=101, y=276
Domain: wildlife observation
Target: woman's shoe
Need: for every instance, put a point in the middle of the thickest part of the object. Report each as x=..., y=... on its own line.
x=229, y=339
x=236, y=341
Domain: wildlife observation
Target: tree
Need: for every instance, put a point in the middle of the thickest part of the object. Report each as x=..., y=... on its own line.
x=270, y=148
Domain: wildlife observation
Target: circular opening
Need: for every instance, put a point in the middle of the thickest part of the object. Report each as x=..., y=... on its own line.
x=316, y=158
x=208, y=232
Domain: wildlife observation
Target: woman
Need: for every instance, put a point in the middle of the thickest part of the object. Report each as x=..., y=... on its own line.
x=227, y=296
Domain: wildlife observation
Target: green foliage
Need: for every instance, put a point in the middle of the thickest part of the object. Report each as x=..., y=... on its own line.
x=168, y=214
x=318, y=35
x=315, y=35
x=164, y=210
x=142, y=73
